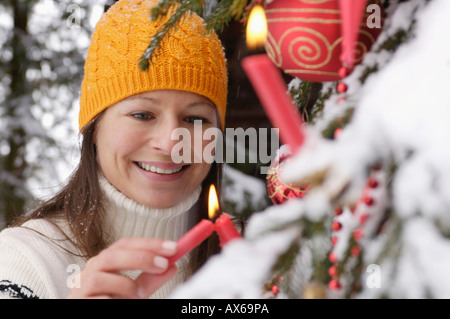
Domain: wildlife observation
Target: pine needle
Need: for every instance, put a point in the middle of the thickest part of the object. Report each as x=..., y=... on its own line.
x=160, y=11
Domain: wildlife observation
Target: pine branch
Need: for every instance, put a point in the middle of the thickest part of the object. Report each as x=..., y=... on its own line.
x=160, y=11
x=224, y=12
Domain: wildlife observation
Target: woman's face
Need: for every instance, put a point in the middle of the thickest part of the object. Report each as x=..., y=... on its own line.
x=134, y=145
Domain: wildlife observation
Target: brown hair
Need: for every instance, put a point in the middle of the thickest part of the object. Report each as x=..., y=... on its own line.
x=80, y=204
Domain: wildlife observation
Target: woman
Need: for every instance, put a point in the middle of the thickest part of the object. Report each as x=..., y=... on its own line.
x=110, y=231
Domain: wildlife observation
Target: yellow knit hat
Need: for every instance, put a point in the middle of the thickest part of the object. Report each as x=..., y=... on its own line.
x=189, y=60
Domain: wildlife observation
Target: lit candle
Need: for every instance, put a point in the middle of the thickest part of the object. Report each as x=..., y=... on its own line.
x=224, y=227
x=199, y=233
x=194, y=237
x=270, y=87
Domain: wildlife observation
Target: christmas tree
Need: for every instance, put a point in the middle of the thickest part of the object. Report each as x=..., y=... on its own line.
x=366, y=212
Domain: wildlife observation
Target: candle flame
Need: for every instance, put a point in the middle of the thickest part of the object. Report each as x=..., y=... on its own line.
x=256, y=33
x=213, y=202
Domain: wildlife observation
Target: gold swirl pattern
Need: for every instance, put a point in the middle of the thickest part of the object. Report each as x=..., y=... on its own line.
x=312, y=47
x=302, y=48
x=305, y=38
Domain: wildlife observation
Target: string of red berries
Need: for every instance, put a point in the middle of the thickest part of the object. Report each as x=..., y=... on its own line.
x=362, y=211
x=342, y=89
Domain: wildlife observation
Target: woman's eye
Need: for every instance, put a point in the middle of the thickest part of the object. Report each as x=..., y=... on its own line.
x=141, y=115
x=196, y=119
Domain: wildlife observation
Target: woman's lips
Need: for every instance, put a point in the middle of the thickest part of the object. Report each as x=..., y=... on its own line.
x=162, y=171
x=159, y=169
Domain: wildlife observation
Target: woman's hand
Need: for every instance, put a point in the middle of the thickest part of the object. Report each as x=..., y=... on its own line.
x=101, y=277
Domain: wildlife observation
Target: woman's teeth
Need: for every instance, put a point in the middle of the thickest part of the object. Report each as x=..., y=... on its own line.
x=158, y=170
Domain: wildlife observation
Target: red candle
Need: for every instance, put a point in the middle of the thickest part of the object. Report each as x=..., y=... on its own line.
x=269, y=84
x=192, y=239
x=226, y=229
x=272, y=92
x=352, y=12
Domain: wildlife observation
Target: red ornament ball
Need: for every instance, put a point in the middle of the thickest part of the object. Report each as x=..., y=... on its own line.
x=278, y=191
x=305, y=38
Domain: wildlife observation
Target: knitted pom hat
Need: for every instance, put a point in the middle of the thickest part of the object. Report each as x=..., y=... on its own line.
x=188, y=59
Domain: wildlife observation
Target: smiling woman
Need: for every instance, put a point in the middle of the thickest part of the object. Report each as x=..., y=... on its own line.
x=118, y=218
x=134, y=145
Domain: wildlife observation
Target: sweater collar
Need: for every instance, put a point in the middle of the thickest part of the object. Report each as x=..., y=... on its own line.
x=127, y=218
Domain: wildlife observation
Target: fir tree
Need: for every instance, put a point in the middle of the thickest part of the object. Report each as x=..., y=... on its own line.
x=355, y=234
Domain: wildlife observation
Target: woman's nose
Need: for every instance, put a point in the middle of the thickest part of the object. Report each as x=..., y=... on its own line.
x=163, y=136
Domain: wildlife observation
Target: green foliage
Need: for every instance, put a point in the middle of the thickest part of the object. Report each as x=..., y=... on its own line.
x=225, y=11
x=220, y=16
x=157, y=13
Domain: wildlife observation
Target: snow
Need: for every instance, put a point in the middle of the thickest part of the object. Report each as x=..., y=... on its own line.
x=243, y=192
x=240, y=271
x=402, y=117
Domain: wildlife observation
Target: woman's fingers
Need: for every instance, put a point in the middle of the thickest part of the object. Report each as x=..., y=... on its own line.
x=102, y=274
x=116, y=260
x=149, y=283
x=159, y=246
x=148, y=255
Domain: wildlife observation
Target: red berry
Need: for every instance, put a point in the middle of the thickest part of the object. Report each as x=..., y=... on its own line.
x=355, y=251
x=337, y=132
x=368, y=200
x=334, y=284
x=357, y=234
x=341, y=100
x=342, y=87
x=333, y=271
x=332, y=257
x=334, y=240
x=363, y=218
x=275, y=289
x=336, y=226
x=338, y=211
x=372, y=182
x=376, y=167
x=343, y=72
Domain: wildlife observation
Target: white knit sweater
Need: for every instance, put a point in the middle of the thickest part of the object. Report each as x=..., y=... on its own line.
x=37, y=266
